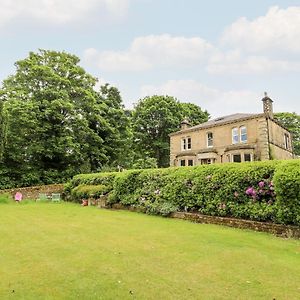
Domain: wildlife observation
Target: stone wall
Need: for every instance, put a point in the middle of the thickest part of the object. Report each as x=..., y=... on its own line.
x=285, y=231
x=276, y=229
x=34, y=191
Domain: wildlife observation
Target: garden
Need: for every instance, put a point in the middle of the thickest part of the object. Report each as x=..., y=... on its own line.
x=66, y=251
x=63, y=250
x=266, y=191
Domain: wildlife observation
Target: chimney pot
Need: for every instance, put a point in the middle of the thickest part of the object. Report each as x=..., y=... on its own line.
x=268, y=106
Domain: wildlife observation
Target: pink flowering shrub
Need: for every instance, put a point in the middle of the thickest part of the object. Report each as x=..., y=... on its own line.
x=262, y=191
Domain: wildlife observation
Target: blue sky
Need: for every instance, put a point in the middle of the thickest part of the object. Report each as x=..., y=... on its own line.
x=220, y=55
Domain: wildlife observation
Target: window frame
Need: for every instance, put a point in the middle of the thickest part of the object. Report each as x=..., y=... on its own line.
x=233, y=136
x=250, y=156
x=243, y=134
x=237, y=154
x=210, y=139
x=183, y=144
x=189, y=143
x=186, y=143
x=286, y=141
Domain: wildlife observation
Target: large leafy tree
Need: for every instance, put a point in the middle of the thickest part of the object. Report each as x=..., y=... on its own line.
x=154, y=118
x=292, y=122
x=54, y=122
x=117, y=135
x=193, y=113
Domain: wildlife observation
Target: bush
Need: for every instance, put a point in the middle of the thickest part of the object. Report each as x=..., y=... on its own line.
x=262, y=191
x=287, y=188
x=84, y=191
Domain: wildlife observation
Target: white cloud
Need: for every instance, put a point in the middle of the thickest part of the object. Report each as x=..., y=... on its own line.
x=234, y=62
x=58, y=11
x=152, y=51
x=278, y=30
x=215, y=101
x=269, y=44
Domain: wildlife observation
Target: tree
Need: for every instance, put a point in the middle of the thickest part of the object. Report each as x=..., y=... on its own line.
x=153, y=119
x=118, y=138
x=194, y=113
x=292, y=122
x=56, y=124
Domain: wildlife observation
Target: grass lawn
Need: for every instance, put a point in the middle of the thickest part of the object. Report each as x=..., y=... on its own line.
x=65, y=251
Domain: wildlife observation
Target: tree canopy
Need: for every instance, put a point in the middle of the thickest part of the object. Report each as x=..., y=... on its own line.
x=54, y=123
x=292, y=122
x=154, y=118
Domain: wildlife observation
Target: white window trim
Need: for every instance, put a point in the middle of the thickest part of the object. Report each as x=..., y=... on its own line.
x=238, y=138
x=207, y=140
x=241, y=127
x=185, y=144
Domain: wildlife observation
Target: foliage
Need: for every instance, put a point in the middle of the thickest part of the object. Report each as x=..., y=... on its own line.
x=93, y=179
x=292, y=122
x=84, y=191
x=193, y=113
x=89, y=185
x=117, y=136
x=146, y=163
x=262, y=191
x=153, y=119
x=54, y=124
x=287, y=184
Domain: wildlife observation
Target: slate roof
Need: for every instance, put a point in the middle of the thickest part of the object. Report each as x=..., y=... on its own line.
x=225, y=119
x=220, y=121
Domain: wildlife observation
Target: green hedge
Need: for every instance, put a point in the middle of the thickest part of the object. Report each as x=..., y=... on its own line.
x=84, y=186
x=287, y=187
x=262, y=191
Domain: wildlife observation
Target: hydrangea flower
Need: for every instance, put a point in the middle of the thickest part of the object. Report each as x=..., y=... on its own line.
x=261, y=184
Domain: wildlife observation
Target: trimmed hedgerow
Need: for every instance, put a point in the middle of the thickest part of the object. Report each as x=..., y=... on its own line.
x=262, y=191
x=83, y=186
x=85, y=191
x=287, y=188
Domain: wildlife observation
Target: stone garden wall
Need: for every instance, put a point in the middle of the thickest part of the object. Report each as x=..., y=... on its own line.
x=34, y=191
x=285, y=231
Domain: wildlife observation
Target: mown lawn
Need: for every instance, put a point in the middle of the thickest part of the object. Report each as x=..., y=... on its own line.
x=65, y=251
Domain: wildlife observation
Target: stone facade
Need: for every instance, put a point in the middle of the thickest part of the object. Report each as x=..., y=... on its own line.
x=234, y=138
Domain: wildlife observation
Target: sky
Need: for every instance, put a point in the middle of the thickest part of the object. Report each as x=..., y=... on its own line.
x=220, y=55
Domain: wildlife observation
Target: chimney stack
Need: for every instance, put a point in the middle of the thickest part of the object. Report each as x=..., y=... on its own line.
x=268, y=106
x=185, y=124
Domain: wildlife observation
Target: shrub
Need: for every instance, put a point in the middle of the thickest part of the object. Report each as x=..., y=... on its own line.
x=262, y=191
x=287, y=188
x=84, y=191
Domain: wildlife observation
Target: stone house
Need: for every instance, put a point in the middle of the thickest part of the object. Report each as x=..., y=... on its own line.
x=234, y=138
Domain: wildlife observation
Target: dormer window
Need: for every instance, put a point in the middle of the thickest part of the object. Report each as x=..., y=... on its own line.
x=209, y=139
